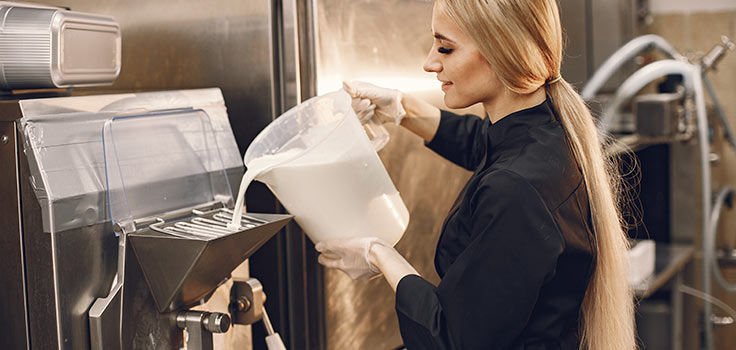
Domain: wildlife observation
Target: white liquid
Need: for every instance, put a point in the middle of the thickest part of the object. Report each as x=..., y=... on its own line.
x=344, y=194
x=256, y=167
x=239, y=203
x=344, y=199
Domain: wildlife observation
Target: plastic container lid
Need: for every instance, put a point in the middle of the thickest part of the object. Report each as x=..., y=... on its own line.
x=159, y=162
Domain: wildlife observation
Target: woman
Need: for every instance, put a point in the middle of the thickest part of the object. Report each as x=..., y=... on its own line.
x=532, y=254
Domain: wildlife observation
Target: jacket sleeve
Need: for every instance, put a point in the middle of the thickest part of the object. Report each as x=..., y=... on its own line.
x=487, y=295
x=461, y=139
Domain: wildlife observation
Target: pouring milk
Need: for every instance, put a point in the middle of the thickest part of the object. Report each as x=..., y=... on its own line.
x=328, y=175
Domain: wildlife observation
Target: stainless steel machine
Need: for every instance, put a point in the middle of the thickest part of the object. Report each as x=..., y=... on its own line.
x=52, y=279
x=96, y=175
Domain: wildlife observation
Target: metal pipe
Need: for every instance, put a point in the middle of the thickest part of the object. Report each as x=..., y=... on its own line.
x=704, y=147
x=693, y=82
x=181, y=233
x=719, y=110
x=621, y=56
x=176, y=213
x=709, y=242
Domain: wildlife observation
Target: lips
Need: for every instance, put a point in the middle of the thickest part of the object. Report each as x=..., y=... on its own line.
x=446, y=85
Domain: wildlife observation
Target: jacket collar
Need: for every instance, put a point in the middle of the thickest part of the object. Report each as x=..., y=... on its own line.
x=518, y=122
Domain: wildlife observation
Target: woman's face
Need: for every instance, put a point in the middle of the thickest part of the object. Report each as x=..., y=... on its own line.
x=467, y=78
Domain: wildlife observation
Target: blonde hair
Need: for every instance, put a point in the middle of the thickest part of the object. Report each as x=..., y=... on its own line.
x=522, y=41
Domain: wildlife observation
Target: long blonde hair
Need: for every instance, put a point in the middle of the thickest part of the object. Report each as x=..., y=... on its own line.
x=522, y=41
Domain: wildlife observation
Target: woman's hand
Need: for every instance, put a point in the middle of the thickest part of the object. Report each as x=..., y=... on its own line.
x=365, y=258
x=351, y=255
x=392, y=106
x=386, y=102
x=364, y=109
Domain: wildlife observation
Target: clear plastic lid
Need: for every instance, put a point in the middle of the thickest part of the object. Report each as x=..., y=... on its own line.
x=160, y=162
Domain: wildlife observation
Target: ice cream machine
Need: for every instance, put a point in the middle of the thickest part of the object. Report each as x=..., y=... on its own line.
x=116, y=222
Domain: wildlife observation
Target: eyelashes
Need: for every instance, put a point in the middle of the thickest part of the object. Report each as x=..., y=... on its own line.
x=444, y=50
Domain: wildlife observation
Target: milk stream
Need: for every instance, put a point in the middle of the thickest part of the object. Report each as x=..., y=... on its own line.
x=340, y=195
x=239, y=203
x=256, y=167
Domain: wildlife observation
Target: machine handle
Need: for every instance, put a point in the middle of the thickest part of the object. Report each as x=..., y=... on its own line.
x=247, y=306
x=273, y=342
x=377, y=133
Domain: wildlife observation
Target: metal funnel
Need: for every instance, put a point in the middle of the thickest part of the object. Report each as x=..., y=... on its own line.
x=180, y=271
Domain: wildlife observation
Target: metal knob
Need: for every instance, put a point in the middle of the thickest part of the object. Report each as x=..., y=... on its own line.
x=216, y=322
x=711, y=59
x=213, y=322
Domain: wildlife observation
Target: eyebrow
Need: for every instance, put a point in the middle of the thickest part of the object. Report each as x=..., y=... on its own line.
x=442, y=37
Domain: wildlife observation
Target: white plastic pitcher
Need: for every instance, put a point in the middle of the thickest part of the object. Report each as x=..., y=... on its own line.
x=318, y=161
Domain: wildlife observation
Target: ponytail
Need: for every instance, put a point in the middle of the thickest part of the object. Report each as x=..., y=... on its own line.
x=607, y=309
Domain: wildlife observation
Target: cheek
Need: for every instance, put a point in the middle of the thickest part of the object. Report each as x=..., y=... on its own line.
x=483, y=78
x=483, y=70
x=475, y=77
x=473, y=70
x=475, y=82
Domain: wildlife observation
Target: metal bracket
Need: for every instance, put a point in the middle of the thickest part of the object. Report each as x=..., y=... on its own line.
x=246, y=301
x=200, y=325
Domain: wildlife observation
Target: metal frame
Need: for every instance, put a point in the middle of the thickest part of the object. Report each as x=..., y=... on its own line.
x=38, y=247
x=12, y=272
x=287, y=266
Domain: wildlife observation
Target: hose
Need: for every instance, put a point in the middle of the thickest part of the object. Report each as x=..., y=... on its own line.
x=693, y=82
x=721, y=114
x=710, y=299
x=710, y=239
x=621, y=56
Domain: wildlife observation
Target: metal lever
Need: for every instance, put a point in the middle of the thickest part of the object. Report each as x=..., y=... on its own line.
x=273, y=339
x=200, y=325
x=247, y=307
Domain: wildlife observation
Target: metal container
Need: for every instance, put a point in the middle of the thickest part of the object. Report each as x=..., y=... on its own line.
x=659, y=114
x=47, y=47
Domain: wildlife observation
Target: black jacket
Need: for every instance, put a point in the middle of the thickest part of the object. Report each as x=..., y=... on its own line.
x=517, y=248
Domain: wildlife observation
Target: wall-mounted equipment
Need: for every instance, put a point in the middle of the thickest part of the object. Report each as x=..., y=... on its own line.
x=49, y=47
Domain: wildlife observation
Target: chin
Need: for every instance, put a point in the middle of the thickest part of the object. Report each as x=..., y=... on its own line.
x=455, y=103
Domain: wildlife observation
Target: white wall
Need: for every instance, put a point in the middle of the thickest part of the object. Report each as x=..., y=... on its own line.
x=689, y=6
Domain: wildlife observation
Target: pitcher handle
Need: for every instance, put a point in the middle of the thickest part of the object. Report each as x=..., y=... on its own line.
x=377, y=133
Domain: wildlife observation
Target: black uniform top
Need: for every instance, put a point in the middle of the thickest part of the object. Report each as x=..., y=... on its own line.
x=517, y=249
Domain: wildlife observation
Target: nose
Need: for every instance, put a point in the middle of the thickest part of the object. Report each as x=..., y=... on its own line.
x=432, y=63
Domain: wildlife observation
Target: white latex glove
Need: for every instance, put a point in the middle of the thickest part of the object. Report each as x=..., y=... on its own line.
x=350, y=255
x=387, y=101
x=364, y=109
